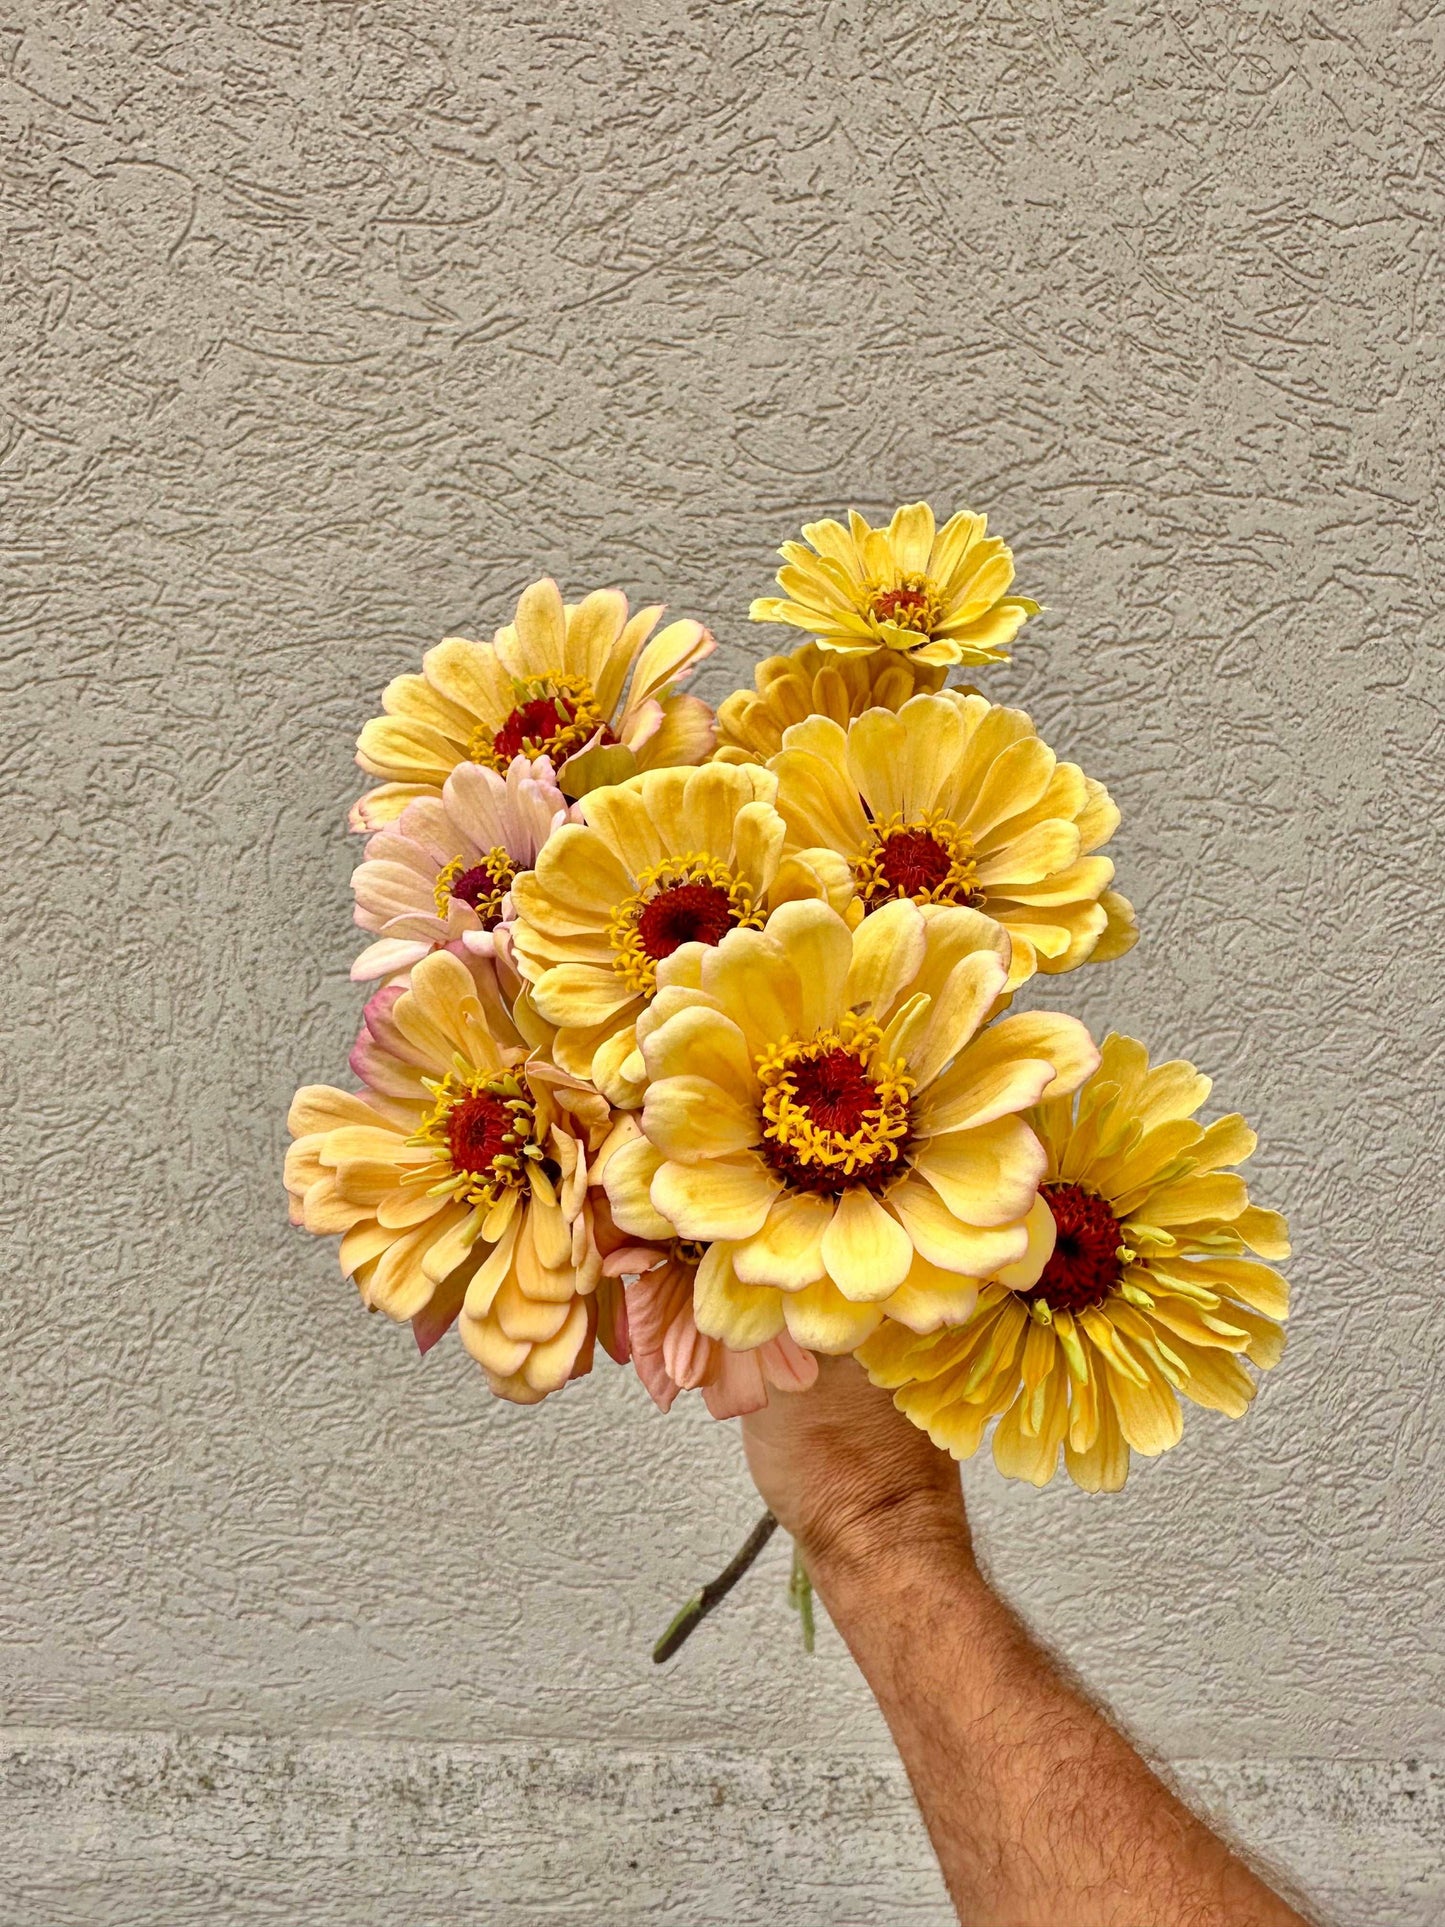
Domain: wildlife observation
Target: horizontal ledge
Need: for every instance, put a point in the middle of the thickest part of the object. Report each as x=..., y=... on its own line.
x=595, y=1832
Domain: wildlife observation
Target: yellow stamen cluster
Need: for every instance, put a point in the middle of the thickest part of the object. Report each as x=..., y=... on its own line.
x=910, y=602
x=805, y=1145
x=499, y=870
x=632, y=960
x=905, y=859
x=474, y=1113
x=536, y=734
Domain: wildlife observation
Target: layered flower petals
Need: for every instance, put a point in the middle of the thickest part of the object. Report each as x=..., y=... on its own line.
x=442, y=873
x=954, y=800
x=552, y=684
x=1134, y=1292
x=934, y=595
x=460, y=1177
x=815, y=682
x=790, y=1069
x=660, y=865
x=672, y=1355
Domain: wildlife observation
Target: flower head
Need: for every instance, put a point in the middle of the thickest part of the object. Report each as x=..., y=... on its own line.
x=937, y=595
x=953, y=799
x=459, y=1178
x=668, y=859
x=827, y=1117
x=553, y=683
x=443, y=872
x=1147, y=1292
x=815, y=682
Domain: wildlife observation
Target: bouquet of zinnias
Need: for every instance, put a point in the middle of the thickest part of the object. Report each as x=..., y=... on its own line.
x=699, y=1034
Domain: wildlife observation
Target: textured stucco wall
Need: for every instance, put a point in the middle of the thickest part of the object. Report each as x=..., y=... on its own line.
x=324, y=328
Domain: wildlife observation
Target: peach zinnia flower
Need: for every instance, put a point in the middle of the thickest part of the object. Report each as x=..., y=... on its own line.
x=459, y=1178
x=553, y=682
x=672, y=1355
x=443, y=872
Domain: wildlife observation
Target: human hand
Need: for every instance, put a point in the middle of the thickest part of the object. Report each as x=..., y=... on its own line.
x=850, y=1477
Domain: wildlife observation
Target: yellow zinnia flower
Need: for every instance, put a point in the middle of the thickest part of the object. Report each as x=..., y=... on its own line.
x=1147, y=1295
x=936, y=595
x=671, y=857
x=956, y=800
x=815, y=682
x=459, y=1178
x=553, y=683
x=827, y=1116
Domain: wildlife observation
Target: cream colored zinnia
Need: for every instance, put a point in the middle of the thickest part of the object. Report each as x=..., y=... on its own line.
x=554, y=683
x=815, y=682
x=827, y=1116
x=459, y=1178
x=669, y=858
x=938, y=595
x=1149, y=1294
x=956, y=800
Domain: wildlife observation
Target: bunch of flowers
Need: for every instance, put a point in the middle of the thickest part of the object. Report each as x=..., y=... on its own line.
x=703, y=1036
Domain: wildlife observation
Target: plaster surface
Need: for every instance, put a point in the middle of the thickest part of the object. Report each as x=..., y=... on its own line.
x=322, y=331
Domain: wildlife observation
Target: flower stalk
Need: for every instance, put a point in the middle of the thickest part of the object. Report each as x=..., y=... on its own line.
x=687, y=1621
x=800, y=1597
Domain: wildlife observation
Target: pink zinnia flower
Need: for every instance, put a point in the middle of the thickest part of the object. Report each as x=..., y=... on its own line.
x=672, y=1355
x=442, y=873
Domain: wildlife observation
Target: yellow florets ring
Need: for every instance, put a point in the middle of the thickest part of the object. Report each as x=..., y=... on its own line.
x=909, y=602
x=683, y=899
x=927, y=858
x=552, y=716
x=835, y=1113
x=484, y=885
x=484, y=1132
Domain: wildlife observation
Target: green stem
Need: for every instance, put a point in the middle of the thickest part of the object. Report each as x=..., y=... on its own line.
x=800, y=1597
x=715, y=1591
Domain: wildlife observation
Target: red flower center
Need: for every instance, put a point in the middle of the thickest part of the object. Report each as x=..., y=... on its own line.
x=685, y=913
x=837, y=1095
x=483, y=887
x=540, y=727
x=835, y=1091
x=1084, y=1268
x=907, y=607
x=479, y=1129
x=914, y=860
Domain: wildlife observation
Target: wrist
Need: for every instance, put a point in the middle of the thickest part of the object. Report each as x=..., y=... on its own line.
x=859, y=1557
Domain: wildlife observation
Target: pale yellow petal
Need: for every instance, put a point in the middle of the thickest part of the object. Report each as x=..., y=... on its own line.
x=787, y=1252
x=987, y=1176
x=947, y=1241
x=821, y=1319
x=888, y=949
x=692, y=1118
x=866, y=1250
x=723, y=1198
x=741, y=1315
x=627, y=1178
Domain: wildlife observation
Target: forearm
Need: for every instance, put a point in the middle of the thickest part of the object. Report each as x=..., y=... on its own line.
x=1039, y=1811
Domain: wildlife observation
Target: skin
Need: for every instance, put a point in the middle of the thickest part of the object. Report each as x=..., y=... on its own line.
x=1040, y=1812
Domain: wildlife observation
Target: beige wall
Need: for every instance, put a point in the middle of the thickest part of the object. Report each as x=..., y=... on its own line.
x=323, y=330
